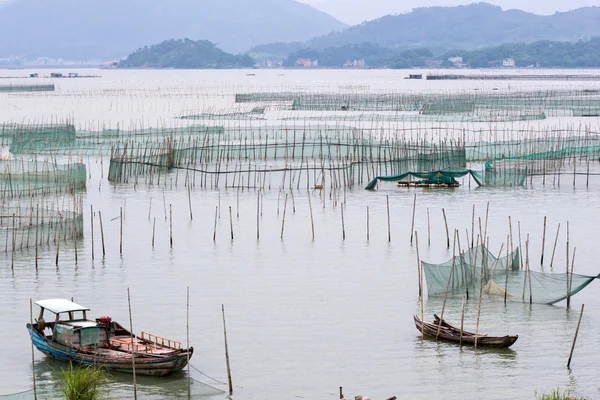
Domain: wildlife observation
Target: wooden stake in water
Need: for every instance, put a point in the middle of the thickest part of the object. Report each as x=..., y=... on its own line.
x=428, y=229
x=462, y=318
x=473, y=227
x=447, y=233
x=575, y=338
x=343, y=227
x=554, y=248
x=149, y=208
x=153, y=231
x=419, y=267
x=283, y=219
x=312, y=221
x=215, y=228
x=32, y=350
x=367, y=223
x=387, y=199
x=543, y=241
x=258, y=216
x=412, y=226
x=92, y=228
x=132, y=345
x=171, y=225
x=447, y=286
x=121, y=234
x=227, y=353
x=37, y=227
x=231, y=222
x=57, y=243
x=187, y=346
x=190, y=202
x=102, y=233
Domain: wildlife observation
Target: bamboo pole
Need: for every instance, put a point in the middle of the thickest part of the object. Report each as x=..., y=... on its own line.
x=481, y=291
x=153, y=231
x=32, y=349
x=472, y=225
x=567, y=259
x=554, y=248
x=543, y=241
x=387, y=199
x=447, y=286
x=447, y=233
x=462, y=265
x=227, y=353
x=367, y=223
x=312, y=221
x=37, y=228
x=132, y=345
x=258, y=216
x=190, y=202
x=92, y=229
x=419, y=267
x=412, y=226
x=171, y=225
x=506, y=279
x=121, y=233
x=343, y=227
x=187, y=329
x=575, y=338
x=462, y=318
x=283, y=218
x=428, y=229
x=57, y=243
x=231, y=222
x=102, y=232
x=215, y=228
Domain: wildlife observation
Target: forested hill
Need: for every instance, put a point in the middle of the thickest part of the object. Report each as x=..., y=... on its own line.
x=544, y=53
x=467, y=27
x=97, y=29
x=185, y=53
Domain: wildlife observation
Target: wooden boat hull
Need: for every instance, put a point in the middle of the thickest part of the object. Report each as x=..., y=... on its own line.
x=159, y=365
x=449, y=333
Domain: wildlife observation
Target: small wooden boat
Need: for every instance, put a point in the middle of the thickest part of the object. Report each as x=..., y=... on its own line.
x=103, y=342
x=452, y=334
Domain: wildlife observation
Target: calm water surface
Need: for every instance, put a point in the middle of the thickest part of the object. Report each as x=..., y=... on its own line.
x=303, y=317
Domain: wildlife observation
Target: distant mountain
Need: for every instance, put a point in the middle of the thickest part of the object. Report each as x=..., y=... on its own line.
x=185, y=53
x=87, y=29
x=467, y=27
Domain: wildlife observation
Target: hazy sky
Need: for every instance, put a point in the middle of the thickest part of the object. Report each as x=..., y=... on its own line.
x=356, y=11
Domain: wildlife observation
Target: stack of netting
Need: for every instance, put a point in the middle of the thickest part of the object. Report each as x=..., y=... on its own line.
x=478, y=269
x=20, y=178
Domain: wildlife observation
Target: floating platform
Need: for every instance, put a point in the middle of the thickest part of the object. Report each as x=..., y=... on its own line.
x=514, y=77
x=427, y=185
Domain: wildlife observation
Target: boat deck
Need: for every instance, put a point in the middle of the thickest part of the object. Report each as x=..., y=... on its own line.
x=139, y=346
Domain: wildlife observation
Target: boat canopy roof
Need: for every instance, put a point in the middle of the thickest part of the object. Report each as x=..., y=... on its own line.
x=58, y=306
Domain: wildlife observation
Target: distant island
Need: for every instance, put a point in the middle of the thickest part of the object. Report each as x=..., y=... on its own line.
x=544, y=53
x=185, y=53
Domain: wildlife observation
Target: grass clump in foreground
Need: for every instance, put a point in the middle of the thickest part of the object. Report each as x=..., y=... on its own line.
x=557, y=394
x=83, y=382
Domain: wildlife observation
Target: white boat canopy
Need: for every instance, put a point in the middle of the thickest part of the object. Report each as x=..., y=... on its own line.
x=58, y=306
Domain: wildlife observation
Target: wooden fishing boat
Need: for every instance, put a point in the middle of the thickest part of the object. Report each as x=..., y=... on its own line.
x=452, y=334
x=103, y=342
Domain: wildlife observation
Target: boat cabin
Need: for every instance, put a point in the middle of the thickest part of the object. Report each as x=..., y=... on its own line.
x=70, y=326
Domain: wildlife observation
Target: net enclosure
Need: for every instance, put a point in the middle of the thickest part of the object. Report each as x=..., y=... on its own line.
x=477, y=269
